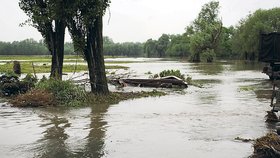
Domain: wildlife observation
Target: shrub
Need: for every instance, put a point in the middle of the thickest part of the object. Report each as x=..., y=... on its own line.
x=65, y=92
x=176, y=73
x=208, y=55
x=11, y=85
x=34, y=98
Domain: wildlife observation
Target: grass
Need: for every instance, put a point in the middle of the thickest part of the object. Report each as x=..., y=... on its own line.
x=246, y=88
x=65, y=93
x=47, y=58
x=43, y=98
x=26, y=67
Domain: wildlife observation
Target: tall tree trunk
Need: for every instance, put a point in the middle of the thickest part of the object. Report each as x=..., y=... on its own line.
x=101, y=80
x=196, y=58
x=58, y=49
x=90, y=60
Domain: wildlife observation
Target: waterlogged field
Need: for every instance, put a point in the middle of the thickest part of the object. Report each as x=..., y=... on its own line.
x=42, y=64
x=195, y=122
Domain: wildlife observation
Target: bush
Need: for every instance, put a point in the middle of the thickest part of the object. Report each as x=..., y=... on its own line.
x=208, y=55
x=11, y=85
x=65, y=92
x=34, y=98
x=176, y=73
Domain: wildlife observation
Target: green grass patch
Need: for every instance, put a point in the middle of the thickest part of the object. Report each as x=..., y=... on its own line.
x=246, y=88
x=35, y=57
x=47, y=58
x=26, y=67
x=65, y=93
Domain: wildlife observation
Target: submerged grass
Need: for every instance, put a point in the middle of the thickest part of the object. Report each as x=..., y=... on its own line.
x=246, y=88
x=116, y=97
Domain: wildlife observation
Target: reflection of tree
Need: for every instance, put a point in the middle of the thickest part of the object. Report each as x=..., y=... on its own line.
x=209, y=68
x=247, y=65
x=53, y=143
x=96, y=136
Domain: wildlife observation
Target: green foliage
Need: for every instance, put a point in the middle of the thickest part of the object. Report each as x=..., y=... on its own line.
x=179, y=46
x=65, y=92
x=208, y=55
x=157, y=48
x=122, y=49
x=224, y=50
x=30, y=47
x=162, y=45
x=176, y=73
x=30, y=81
x=205, y=31
x=150, y=48
x=245, y=40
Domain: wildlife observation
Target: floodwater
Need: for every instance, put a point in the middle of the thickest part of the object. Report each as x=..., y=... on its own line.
x=195, y=122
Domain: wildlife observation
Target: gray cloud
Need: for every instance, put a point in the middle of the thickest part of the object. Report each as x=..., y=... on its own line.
x=137, y=20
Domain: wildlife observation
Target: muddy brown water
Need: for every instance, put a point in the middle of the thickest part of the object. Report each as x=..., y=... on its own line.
x=195, y=122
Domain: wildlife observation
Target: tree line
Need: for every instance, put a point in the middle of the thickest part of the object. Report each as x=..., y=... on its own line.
x=30, y=47
x=203, y=40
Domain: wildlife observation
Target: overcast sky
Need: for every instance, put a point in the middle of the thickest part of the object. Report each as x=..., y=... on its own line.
x=137, y=20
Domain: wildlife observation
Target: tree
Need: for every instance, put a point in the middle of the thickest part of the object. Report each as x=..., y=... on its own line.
x=224, y=50
x=204, y=32
x=85, y=26
x=245, y=40
x=48, y=17
x=150, y=48
x=157, y=48
x=162, y=45
x=178, y=46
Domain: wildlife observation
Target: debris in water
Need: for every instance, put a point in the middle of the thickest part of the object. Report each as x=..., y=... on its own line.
x=271, y=117
x=243, y=139
x=267, y=146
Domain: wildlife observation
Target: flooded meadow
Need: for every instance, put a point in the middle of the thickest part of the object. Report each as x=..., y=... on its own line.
x=200, y=121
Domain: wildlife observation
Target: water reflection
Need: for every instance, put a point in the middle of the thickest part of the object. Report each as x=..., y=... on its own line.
x=209, y=68
x=53, y=142
x=247, y=65
x=202, y=122
x=96, y=137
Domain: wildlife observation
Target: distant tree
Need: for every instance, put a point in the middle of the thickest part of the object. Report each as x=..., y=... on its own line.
x=25, y=47
x=30, y=47
x=107, y=40
x=224, y=50
x=162, y=45
x=69, y=49
x=179, y=46
x=150, y=48
x=204, y=32
x=245, y=40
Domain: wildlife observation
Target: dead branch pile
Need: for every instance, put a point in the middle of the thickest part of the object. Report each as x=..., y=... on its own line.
x=34, y=98
x=267, y=146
